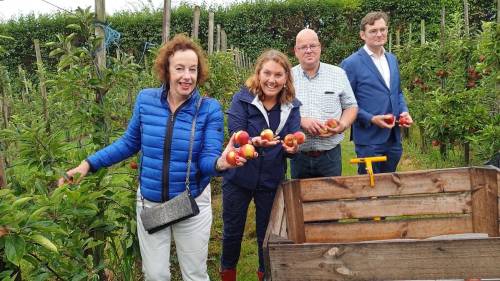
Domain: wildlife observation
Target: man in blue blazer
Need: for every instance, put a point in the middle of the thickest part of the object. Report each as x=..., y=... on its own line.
x=374, y=77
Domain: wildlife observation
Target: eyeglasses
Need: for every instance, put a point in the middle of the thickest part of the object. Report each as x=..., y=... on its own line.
x=312, y=47
x=375, y=31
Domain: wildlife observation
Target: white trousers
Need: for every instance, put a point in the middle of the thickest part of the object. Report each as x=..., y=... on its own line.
x=191, y=239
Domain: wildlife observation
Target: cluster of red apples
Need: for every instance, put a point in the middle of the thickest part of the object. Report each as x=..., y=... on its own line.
x=247, y=150
x=403, y=120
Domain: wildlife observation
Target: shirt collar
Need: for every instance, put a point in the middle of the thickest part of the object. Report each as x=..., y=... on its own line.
x=370, y=53
x=315, y=75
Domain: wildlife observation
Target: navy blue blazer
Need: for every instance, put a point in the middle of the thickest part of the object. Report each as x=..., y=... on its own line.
x=373, y=96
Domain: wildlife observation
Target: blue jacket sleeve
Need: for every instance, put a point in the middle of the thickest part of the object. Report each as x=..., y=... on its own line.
x=124, y=147
x=363, y=117
x=213, y=138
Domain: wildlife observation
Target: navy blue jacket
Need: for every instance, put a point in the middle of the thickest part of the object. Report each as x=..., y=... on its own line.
x=151, y=121
x=373, y=96
x=247, y=113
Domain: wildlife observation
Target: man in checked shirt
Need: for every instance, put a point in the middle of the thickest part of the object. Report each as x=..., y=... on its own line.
x=325, y=93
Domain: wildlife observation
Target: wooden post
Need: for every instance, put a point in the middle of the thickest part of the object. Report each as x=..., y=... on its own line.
x=294, y=212
x=498, y=11
x=166, y=21
x=210, y=33
x=390, y=42
x=466, y=18
x=223, y=40
x=43, y=89
x=398, y=36
x=100, y=14
x=196, y=22
x=422, y=32
x=443, y=35
x=217, y=43
x=410, y=35
x=3, y=177
x=22, y=74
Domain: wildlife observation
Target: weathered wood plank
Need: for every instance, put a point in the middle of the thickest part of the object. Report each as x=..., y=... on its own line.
x=390, y=184
x=381, y=230
x=404, y=260
x=484, y=201
x=277, y=214
x=432, y=204
x=293, y=210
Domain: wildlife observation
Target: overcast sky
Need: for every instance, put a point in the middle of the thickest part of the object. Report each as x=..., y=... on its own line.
x=14, y=8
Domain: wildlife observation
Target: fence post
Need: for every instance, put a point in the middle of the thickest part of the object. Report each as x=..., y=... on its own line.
x=398, y=36
x=165, y=33
x=3, y=177
x=466, y=18
x=217, y=44
x=223, y=40
x=43, y=89
x=196, y=22
x=422, y=32
x=210, y=33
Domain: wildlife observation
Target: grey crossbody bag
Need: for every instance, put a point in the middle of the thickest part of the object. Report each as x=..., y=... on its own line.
x=179, y=208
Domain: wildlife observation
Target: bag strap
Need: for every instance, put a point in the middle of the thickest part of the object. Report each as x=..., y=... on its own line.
x=191, y=140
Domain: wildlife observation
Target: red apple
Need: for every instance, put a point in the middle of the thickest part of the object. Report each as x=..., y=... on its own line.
x=290, y=140
x=300, y=137
x=247, y=151
x=389, y=120
x=267, y=134
x=404, y=121
x=241, y=138
x=331, y=123
x=133, y=165
x=436, y=143
x=231, y=157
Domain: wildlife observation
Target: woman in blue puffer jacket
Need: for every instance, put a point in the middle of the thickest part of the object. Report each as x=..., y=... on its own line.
x=160, y=128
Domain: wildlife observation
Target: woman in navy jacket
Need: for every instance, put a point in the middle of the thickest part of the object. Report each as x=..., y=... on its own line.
x=160, y=128
x=267, y=102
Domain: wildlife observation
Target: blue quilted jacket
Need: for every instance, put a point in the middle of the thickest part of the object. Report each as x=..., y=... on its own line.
x=151, y=121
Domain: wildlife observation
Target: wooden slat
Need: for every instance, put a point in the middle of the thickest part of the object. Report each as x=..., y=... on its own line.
x=381, y=230
x=277, y=214
x=415, y=260
x=293, y=210
x=433, y=204
x=417, y=182
x=484, y=201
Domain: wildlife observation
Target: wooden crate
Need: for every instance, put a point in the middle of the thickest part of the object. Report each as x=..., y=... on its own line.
x=324, y=228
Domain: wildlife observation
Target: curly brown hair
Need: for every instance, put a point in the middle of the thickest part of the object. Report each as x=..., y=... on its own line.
x=180, y=42
x=288, y=92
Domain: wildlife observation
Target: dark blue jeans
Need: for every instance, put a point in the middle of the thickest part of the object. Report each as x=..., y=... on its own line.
x=235, y=201
x=328, y=164
x=392, y=149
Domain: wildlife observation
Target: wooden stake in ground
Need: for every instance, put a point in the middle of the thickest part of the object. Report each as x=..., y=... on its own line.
x=166, y=21
x=217, y=41
x=466, y=18
x=3, y=178
x=223, y=40
x=43, y=89
x=196, y=22
x=210, y=33
x=100, y=14
x=422, y=32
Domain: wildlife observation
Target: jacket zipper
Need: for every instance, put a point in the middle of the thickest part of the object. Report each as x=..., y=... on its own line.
x=167, y=145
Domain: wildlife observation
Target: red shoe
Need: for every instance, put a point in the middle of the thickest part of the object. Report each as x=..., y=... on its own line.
x=260, y=275
x=228, y=274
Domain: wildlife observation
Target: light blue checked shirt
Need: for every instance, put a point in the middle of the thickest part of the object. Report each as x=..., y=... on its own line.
x=323, y=96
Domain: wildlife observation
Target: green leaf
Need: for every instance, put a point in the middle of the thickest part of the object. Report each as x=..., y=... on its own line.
x=15, y=248
x=43, y=241
x=74, y=26
x=21, y=201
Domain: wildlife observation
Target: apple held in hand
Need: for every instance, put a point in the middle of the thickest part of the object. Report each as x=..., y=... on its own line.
x=404, y=121
x=331, y=123
x=300, y=137
x=247, y=151
x=241, y=137
x=231, y=157
x=267, y=134
x=389, y=120
x=290, y=140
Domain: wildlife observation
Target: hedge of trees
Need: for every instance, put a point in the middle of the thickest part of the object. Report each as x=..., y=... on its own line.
x=250, y=26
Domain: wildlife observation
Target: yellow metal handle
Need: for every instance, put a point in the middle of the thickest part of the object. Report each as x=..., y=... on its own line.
x=369, y=168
